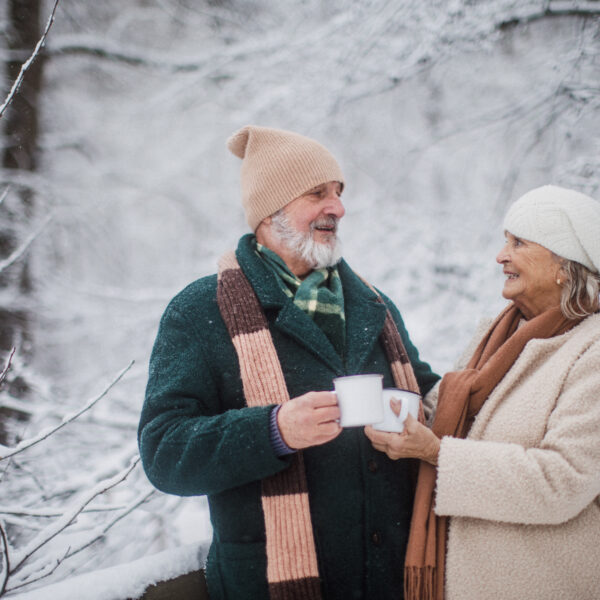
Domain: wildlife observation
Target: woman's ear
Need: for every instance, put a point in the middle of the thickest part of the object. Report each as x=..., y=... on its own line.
x=561, y=276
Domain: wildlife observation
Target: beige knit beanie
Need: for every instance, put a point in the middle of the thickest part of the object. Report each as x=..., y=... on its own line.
x=564, y=221
x=278, y=166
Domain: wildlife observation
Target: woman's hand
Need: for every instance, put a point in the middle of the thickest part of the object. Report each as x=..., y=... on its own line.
x=416, y=441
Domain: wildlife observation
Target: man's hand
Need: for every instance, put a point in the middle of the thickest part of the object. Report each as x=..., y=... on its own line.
x=309, y=420
x=416, y=441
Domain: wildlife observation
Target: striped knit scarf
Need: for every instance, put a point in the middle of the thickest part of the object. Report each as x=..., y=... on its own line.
x=292, y=569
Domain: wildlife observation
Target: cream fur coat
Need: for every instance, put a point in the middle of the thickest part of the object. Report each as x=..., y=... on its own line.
x=523, y=490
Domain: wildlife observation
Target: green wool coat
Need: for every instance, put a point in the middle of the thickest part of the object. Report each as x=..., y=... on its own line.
x=196, y=436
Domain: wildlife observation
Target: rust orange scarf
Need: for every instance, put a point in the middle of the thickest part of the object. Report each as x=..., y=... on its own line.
x=461, y=396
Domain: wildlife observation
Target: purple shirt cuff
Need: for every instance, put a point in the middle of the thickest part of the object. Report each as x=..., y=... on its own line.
x=279, y=446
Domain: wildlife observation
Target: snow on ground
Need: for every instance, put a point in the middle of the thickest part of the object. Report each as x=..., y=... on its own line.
x=439, y=118
x=123, y=581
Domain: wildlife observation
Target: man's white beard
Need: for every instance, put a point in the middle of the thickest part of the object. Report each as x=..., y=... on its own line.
x=315, y=254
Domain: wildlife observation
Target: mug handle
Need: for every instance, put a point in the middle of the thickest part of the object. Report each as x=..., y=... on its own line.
x=338, y=421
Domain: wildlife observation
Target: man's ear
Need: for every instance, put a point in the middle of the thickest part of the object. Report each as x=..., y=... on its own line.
x=262, y=231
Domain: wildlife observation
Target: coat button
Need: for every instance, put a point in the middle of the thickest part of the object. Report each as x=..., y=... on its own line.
x=372, y=465
x=376, y=538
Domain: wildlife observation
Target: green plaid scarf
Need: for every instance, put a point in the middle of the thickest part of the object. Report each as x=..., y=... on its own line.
x=319, y=295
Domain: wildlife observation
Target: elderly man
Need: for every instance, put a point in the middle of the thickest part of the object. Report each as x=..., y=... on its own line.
x=235, y=405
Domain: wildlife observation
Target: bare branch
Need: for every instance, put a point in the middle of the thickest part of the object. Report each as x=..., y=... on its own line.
x=51, y=512
x=554, y=9
x=26, y=444
x=7, y=367
x=69, y=516
x=28, y=63
x=6, y=567
x=210, y=63
x=4, y=194
x=105, y=51
x=141, y=499
x=19, y=252
x=43, y=572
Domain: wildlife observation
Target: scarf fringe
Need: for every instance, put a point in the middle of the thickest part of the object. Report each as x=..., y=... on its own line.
x=419, y=583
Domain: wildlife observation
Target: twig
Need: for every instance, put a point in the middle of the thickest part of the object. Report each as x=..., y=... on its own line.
x=97, y=534
x=129, y=57
x=129, y=509
x=29, y=472
x=554, y=9
x=70, y=515
x=44, y=572
x=50, y=512
x=6, y=572
x=26, y=65
x=19, y=252
x=4, y=194
x=7, y=367
x=26, y=444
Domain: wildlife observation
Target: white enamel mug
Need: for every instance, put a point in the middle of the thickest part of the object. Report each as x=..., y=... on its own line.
x=410, y=404
x=359, y=399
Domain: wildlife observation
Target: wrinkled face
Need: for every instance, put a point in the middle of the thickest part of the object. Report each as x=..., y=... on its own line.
x=531, y=275
x=307, y=226
x=317, y=212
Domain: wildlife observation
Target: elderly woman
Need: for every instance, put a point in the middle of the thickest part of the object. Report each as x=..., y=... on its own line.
x=508, y=497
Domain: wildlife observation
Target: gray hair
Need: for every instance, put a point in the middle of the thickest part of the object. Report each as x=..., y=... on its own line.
x=580, y=293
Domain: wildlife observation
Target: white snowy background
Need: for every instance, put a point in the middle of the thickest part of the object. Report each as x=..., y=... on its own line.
x=441, y=113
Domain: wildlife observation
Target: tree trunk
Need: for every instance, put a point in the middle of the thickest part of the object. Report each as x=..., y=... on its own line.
x=20, y=133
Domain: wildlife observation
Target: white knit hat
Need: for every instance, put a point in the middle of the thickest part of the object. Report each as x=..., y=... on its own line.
x=278, y=166
x=564, y=221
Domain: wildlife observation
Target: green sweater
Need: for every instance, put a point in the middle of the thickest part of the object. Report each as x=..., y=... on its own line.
x=197, y=437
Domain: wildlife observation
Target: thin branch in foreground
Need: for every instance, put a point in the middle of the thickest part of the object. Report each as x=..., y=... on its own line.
x=43, y=572
x=26, y=444
x=69, y=516
x=29, y=62
x=47, y=513
x=7, y=366
x=141, y=499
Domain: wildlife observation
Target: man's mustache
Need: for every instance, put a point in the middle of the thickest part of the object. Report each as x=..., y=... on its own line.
x=325, y=223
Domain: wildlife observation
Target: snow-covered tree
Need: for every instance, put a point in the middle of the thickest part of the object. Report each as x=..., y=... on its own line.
x=440, y=113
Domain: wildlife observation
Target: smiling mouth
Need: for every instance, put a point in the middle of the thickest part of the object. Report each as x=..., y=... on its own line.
x=325, y=226
x=510, y=276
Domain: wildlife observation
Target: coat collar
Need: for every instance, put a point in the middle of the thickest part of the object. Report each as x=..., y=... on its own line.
x=364, y=315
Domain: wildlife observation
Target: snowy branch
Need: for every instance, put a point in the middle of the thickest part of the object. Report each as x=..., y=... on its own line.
x=21, y=250
x=7, y=366
x=4, y=195
x=20, y=557
x=28, y=63
x=101, y=532
x=26, y=444
x=46, y=513
x=554, y=9
x=110, y=51
x=44, y=571
x=6, y=565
